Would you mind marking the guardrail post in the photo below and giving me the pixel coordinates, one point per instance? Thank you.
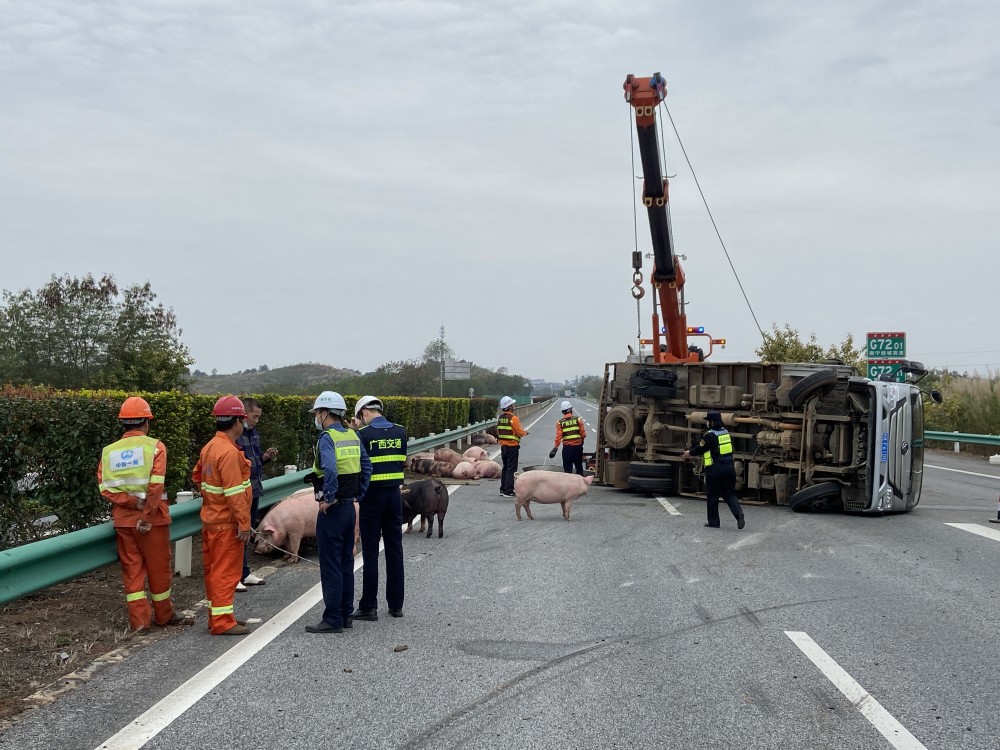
(957, 444)
(291, 468)
(182, 547)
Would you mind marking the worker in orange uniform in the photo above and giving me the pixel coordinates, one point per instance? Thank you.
(130, 476)
(571, 432)
(509, 433)
(223, 474)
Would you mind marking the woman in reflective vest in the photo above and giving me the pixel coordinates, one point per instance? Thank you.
(340, 476)
(716, 448)
(130, 477)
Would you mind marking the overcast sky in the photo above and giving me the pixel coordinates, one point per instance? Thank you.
(333, 181)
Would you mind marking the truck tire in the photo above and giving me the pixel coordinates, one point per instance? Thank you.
(814, 496)
(653, 485)
(619, 426)
(824, 380)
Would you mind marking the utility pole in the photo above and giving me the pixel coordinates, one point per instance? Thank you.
(441, 360)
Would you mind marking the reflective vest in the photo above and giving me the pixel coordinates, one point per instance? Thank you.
(386, 447)
(570, 429)
(725, 449)
(505, 427)
(347, 446)
(127, 466)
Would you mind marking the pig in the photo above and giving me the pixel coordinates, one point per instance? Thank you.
(447, 455)
(425, 498)
(548, 487)
(475, 454)
(465, 470)
(488, 469)
(441, 469)
(287, 524)
(420, 465)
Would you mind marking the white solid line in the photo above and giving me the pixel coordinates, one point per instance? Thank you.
(974, 528)
(667, 506)
(961, 471)
(862, 700)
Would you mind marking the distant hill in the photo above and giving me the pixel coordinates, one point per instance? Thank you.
(301, 378)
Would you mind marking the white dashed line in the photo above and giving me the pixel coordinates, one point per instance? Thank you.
(975, 528)
(862, 700)
(667, 506)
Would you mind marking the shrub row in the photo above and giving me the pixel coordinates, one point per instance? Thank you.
(51, 442)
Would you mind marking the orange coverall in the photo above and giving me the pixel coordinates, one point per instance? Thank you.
(515, 424)
(223, 474)
(575, 441)
(144, 555)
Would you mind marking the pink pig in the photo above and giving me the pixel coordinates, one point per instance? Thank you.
(464, 470)
(488, 469)
(447, 455)
(475, 454)
(288, 523)
(548, 487)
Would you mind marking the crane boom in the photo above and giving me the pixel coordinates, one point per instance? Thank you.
(645, 95)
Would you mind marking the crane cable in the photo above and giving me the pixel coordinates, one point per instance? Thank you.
(712, 219)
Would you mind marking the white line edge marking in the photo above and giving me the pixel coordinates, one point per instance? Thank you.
(157, 718)
(862, 700)
(974, 528)
(961, 471)
(667, 506)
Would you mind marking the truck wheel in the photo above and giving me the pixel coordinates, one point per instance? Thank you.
(814, 496)
(653, 485)
(619, 426)
(823, 380)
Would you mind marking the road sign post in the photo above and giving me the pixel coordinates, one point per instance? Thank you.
(886, 352)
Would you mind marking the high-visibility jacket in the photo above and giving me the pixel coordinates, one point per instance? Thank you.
(570, 431)
(722, 452)
(223, 474)
(385, 444)
(509, 430)
(347, 447)
(132, 468)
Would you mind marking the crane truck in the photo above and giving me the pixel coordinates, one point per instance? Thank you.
(807, 435)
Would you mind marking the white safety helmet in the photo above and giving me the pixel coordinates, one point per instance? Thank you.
(367, 402)
(332, 401)
(565, 406)
(506, 402)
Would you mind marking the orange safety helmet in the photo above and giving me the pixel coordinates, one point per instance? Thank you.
(135, 408)
(229, 406)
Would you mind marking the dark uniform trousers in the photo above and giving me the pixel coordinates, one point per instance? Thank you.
(572, 456)
(335, 544)
(381, 514)
(509, 454)
(720, 482)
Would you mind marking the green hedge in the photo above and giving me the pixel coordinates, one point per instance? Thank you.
(57, 438)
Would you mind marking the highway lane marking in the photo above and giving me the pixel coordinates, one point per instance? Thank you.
(962, 471)
(974, 528)
(667, 506)
(860, 698)
(144, 728)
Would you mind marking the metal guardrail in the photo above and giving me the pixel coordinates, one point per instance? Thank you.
(962, 437)
(36, 566)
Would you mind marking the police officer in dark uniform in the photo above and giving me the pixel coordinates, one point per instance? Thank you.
(381, 511)
(340, 479)
(716, 446)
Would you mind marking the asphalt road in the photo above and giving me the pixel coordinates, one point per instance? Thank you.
(630, 626)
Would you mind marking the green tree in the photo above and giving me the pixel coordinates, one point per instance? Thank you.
(88, 333)
(786, 345)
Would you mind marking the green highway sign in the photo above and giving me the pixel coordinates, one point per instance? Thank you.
(886, 345)
(880, 367)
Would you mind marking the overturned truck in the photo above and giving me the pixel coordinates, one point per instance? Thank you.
(811, 436)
